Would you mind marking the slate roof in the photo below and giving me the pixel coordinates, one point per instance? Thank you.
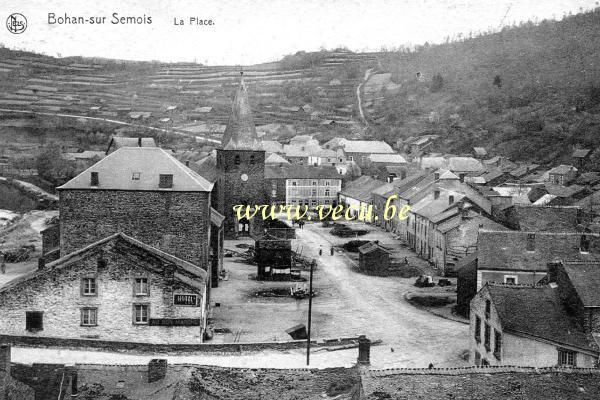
(547, 218)
(371, 247)
(507, 250)
(387, 158)
(564, 191)
(480, 151)
(275, 158)
(183, 271)
(464, 164)
(271, 146)
(118, 142)
(581, 153)
(115, 172)
(562, 169)
(300, 172)
(523, 170)
(366, 146)
(585, 278)
(240, 133)
(362, 188)
(543, 315)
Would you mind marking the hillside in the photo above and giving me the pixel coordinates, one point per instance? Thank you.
(530, 92)
(545, 101)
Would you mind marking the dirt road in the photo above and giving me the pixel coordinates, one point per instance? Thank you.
(377, 308)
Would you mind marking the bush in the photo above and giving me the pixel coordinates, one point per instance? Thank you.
(437, 82)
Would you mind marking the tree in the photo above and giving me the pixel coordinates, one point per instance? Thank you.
(52, 167)
(437, 82)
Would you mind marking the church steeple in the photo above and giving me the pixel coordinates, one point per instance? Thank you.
(240, 133)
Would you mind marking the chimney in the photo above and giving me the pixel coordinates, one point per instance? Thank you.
(139, 142)
(187, 163)
(436, 176)
(41, 262)
(461, 177)
(450, 199)
(436, 194)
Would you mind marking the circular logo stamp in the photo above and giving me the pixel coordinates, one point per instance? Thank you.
(16, 23)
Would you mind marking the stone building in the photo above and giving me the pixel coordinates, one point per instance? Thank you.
(116, 289)
(240, 167)
(528, 326)
(302, 185)
(518, 257)
(562, 174)
(372, 257)
(145, 193)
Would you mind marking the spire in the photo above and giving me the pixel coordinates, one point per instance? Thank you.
(240, 133)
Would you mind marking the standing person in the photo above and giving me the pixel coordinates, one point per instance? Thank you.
(2, 263)
(331, 250)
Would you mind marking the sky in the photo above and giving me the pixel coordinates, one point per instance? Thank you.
(246, 32)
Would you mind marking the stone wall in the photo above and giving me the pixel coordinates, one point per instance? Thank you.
(478, 310)
(57, 293)
(175, 222)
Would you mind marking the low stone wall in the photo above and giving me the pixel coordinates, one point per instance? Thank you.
(133, 347)
(491, 369)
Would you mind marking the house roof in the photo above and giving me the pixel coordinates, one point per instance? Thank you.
(115, 172)
(585, 278)
(507, 250)
(562, 169)
(538, 311)
(119, 142)
(387, 158)
(275, 158)
(271, 146)
(240, 133)
(547, 218)
(464, 164)
(185, 272)
(367, 146)
(300, 172)
(523, 170)
(362, 188)
(371, 247)
(480, 151)
(564, 191)
(581, 153)
(429, 206)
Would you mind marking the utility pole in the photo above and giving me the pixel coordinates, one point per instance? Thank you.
(310, 292)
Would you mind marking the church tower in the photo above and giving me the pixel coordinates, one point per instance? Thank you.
(240, 167)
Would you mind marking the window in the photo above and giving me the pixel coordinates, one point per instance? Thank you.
(511, 279)
(488, 307)
(140, 287)
(135, 176)
(327, 183)
(351, 158)
(88, 287)
(293, 183)
(236, 160)
(313, 203)
(497, 344)
(313, 192)
(34, 321)
(487, 337)
(274, 184)
(89, 316)
(484, 362)
(567, 358)
(165, 181)
(140, 313)
(314, 183)
(327, 193)
(478, 329)
(584, 244)
(530, 242)
(252, 159)
(94, 181)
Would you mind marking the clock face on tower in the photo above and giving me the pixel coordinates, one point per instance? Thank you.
(244, 177)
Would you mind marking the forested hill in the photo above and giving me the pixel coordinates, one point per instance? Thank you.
(527, 92)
